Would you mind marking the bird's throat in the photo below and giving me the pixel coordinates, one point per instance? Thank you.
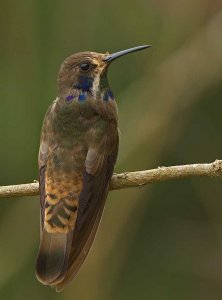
(92, 86)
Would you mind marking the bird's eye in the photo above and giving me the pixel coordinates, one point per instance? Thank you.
(84, 66)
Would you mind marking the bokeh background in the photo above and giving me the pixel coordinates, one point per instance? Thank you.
(160, 242)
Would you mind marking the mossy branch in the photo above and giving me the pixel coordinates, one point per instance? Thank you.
(131, 179)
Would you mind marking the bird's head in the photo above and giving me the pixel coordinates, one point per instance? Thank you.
(85, 73)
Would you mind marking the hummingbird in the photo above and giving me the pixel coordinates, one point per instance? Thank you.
(78, 151)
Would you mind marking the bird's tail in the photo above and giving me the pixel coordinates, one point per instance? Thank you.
(53, 256)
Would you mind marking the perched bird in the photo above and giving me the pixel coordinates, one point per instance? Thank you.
(78, 150)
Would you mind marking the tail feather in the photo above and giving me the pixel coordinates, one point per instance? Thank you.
(53, 256)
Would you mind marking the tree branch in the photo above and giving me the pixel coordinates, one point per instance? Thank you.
(131, 179)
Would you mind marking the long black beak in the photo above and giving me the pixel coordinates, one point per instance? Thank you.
(111, 57)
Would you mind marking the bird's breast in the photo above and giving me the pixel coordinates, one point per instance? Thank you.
(75, 119)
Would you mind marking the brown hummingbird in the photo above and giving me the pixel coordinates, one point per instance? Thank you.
(78, 151)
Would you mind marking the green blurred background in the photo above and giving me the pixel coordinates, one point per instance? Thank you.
(160, 242)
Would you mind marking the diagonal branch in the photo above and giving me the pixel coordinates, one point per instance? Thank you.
(131, 179)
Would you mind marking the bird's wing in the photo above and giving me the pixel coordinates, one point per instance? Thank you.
(96, 178)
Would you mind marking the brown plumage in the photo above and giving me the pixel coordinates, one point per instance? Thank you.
(78, 150)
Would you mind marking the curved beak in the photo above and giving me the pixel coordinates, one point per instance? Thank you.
(113, 56)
